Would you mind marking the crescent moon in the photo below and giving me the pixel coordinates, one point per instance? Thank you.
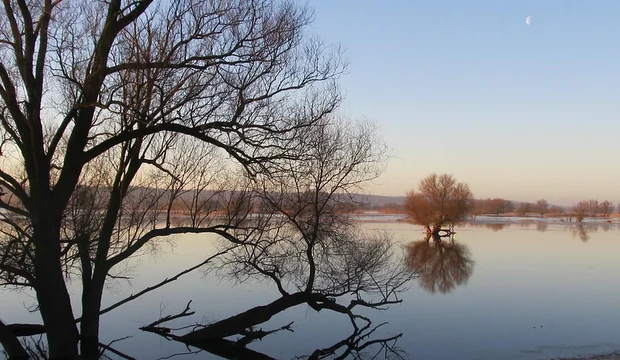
(528, 20)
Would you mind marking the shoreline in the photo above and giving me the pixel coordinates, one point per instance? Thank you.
(610, 356)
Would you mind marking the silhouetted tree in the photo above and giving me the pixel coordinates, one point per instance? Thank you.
(104, 103)
(312, 252)
(440, 201)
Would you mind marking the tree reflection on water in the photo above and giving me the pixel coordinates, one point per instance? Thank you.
(441, 265)
(361, 343)
(579, 230)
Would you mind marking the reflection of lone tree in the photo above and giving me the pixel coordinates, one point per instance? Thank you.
(441, 265)
(440, 201)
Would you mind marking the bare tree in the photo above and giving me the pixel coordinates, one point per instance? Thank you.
(440, 201)
(495, 206)
(524, 208)
(542, 207)
(581, 210)
(100, 103)
(593, 207)
(606, 208)
(556, 210)
(305, 244)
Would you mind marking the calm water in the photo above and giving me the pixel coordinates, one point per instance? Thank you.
(532, 292)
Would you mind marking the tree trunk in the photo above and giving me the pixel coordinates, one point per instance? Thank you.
(52, 295)
(238, 323)
(89, 325)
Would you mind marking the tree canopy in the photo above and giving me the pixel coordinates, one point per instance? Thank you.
(440, 200)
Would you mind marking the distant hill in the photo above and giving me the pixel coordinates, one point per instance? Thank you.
(378, 200)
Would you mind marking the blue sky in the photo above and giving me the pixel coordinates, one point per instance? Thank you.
(466, 87)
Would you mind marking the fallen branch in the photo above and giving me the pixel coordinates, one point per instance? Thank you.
(26, 329)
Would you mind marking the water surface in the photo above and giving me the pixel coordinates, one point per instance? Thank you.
(522, 292)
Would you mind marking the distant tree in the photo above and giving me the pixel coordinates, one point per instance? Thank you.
(523, 208)
(440, 201)
(495, 206)
(478, 207)
(554, 209)
(606, 208)
(581, 210)
(509, 206)
(542, 206)
(593, 207)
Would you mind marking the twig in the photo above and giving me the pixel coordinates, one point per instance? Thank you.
(251, 335)
(112, 350)
(158, 285)
(163, 331)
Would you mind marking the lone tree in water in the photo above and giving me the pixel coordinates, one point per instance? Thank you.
(115, 112)
(440, 201)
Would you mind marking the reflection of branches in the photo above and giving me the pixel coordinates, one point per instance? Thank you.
(361, 345)
(492, 226)
(541, 226)
(582, 231)
(442, 265)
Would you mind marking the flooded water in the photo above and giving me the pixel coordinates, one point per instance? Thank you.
(497, 292)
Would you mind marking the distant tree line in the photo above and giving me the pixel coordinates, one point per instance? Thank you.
(592, 208)
(542, 208)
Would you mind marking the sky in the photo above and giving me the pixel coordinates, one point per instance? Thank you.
(468, 88)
